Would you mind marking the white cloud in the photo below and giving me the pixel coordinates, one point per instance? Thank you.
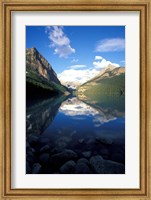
(110, 45)
(59, 41)
(74, 75)
(74, 60)
(100, 62)
(98, 58)
(77, 66)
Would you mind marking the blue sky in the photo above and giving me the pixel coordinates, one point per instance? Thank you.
(78, 49)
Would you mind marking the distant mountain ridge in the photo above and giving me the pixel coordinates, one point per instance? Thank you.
(71, 85)
(40, 76)
(108, 72)
(110, 81)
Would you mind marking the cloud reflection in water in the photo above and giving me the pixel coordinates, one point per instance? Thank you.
(78, 110)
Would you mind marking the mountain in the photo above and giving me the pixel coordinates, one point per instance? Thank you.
(109, 82)
(71, 85)
(41, 79)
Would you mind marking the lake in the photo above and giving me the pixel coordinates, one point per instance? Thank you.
(65, 135)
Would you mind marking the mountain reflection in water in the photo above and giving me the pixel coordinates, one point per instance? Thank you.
(66, 135)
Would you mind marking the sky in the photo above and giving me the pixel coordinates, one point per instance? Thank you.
(77, 53)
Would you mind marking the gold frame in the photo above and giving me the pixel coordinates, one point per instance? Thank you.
(6, 7)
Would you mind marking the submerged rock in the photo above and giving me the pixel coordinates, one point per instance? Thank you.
(32, 139)
(87, 154)
(112, 167)
(45, 148)
(43, 141)
(62, 157)
(36, 168)
(30, 153)
(83, 160)
(118, 157)
(44, 158)
(27, 145)
(105, 153)
(82, 168)
(32, 150)
(102, 166)
(81, 140)
(30, 156)
(104, 140)
(68, 167)
(97, 164)
(28, 168)
(61, 145)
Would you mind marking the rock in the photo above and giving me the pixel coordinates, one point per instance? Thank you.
(97, 164)
(27, 145)
(62, 157)
(112, 167)
(83, 160)
(86, 154)
(28, 168)
(45, 148)
(65, 139)
(90, 141)
(44, 158)
(73, 132)
(61, 145)
(82, 168)
(101, 166)
(43, 141)
(30, 153)
(36, 168)
(104, 140)
(68, 167)
(81, 140)
(104, 152)
(118, 157)
(32, 139)
(31, 158)
(32, 150)
(59, 132)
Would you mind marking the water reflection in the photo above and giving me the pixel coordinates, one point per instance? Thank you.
(75, 136)
(40, 114)
(76, 108)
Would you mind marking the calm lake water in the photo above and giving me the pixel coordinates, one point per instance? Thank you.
(66, 135)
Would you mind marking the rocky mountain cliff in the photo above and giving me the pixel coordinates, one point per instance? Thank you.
(40, 76)
(37, 63)
(110, 81)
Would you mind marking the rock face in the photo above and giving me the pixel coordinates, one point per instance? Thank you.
(37, 63)
(40, 76)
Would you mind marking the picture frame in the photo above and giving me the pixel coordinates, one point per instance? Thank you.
(7, 7)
